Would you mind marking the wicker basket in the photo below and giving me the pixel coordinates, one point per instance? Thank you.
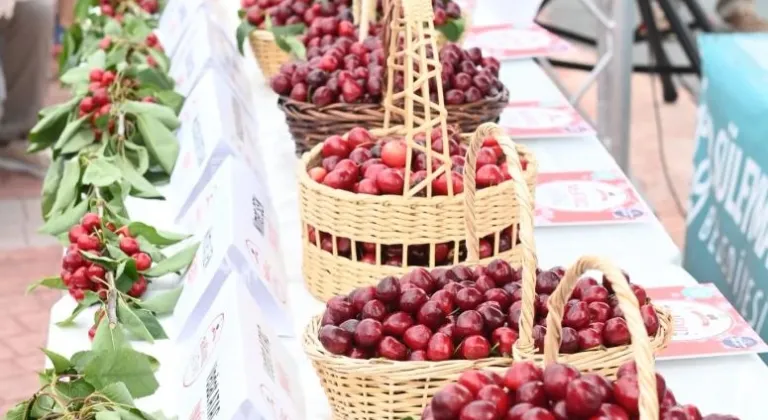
(605, 361)
(380, 389)
(268, 55)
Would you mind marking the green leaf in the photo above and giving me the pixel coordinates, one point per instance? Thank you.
(138, 156)
(296, 47)
(51, 185)
(53, 117)
(162, 144)
(133, 414)
(177, 262)
(112, 27)
(117, 55)
(115, 252)
(123, 365)
(140, 186)
(288, 30)
(452, 29)
(243, 30)
(80, 140)
(161, 59)
(126, 275)
(105, 262)
(151, 324)
(100, 173)
(117, 393)
(155, 236)
(171, 99)
(76, 75)
(107, 415)
(162, 113)
(69, 47)
(61, 223)
(150, 249)
(60, 363)
(162, 303)
(69, 131)
(49, 282)
(90, 299)
(154, 77)
(97, 60)
(132, 322)
(18, 411)
(82, 7)
(68, 187)
(81, 358)
(78, 388)
(108, 338)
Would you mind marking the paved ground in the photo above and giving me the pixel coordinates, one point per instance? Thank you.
(25, 255)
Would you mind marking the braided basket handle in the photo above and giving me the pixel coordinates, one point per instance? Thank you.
(641, 346)
(363, 12)
(522, 194)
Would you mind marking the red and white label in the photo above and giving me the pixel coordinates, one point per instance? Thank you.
(535, 120)
(579, 198)
(705, 323)
(515, 42)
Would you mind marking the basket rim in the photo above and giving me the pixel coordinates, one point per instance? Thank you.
(305, 180)
(315, 351)
(501, 97)
(659, 341)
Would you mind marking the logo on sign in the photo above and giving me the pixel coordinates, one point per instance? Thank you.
(206, 348)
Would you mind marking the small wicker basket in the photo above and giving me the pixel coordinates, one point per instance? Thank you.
(268, 55)
(605, 361)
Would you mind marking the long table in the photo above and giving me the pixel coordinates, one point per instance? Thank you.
(726, 384)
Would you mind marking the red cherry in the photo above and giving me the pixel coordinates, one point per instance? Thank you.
(474, 380)
(469, 323)
(692, 411)
(599, 311)
(358, 136)
(91, 222)
(640, 294)
(88, 243)
(582, 399)
(582, 285)
(417, 337)
(595, 294)
(496, 396)
(392, 349)
(143, 261)
(478, 410)
(368, 332)
(336, 146)
(411, 300)
(439, 347)
(317, 174)
(538, 413)
(533, 393)
(489, 175)
(556, 379)
(351, 92)
(281, 84)
(394, 154)
(468, 298)
(521, 373)
(350, 325)
(374, 309)
(449, 401)
(589, 339)
(129, 245)
(650, 319)
(612, 412)
(577, 316)
(340, 179)
(430, 315)
(616, 332)
(475, 347)
(362, 295)
(390, 181)
(335, 339)
(625, 391)
(518, 410)
(75, 232)
(504, 338)
(397, 324)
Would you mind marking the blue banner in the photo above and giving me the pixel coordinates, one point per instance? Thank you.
(727, 235)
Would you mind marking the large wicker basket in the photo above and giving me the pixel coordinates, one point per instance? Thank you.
(268, 55)
(603, 360)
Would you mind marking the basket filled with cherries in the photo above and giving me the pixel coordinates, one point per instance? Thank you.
(345, 82)
(382, 351)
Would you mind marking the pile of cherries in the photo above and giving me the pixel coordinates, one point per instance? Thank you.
(341, 70)
(292, 12)
(365, 165)
(108, 7)
(79, 274)
(98, 103)
(467, 76)
(558, 392)
(469, 313)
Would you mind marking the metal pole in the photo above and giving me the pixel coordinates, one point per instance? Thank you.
(619, 82)
(604, 37)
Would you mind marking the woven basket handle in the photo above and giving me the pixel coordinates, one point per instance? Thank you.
(641, 346)
(411, 23)
(522, 194)
(363, 12)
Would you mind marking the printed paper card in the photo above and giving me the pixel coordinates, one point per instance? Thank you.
(514, 42)
(214, 125)
(208, 46)
(586, 197)
(234, 367)
(242, 195)
(705, 323)
(523, 120)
